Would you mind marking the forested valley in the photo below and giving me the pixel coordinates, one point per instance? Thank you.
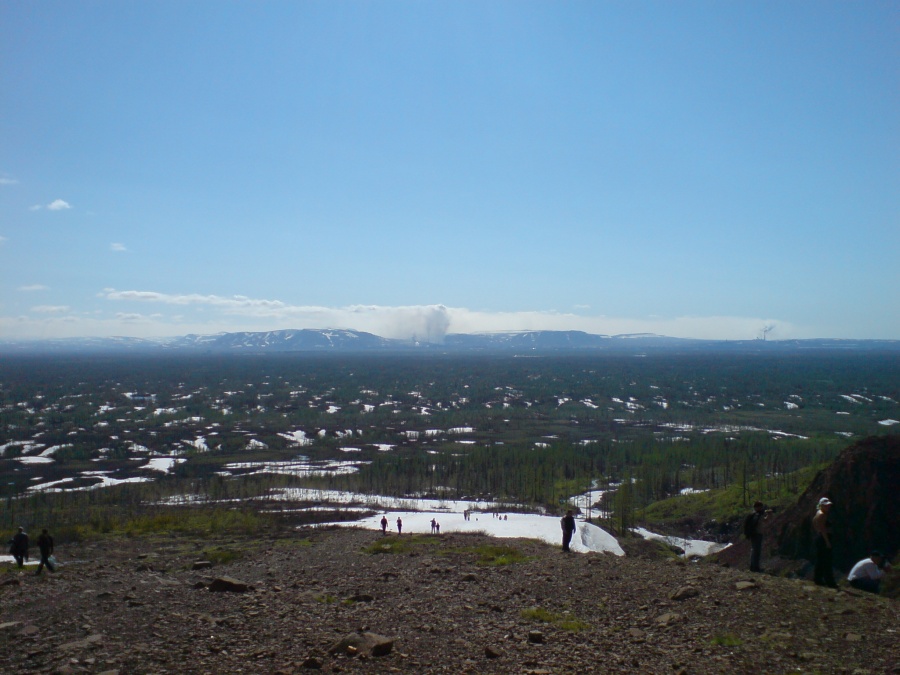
(89, 434)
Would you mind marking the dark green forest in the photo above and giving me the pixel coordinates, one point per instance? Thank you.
(531, 431)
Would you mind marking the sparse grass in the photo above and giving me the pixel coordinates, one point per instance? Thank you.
(490, 555)
(400, 544)
(538, 614)
(573, 625)
(293, 543)
(221, 556)
(326, 599)
(563, 621)
(726, 640)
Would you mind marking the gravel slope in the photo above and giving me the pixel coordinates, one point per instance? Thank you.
(136, 606)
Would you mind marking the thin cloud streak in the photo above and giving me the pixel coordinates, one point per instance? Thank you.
(51, 309)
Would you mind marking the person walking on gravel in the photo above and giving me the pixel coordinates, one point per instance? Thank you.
(18, 547)
(824, 572)
(568, 529)
(45, 544)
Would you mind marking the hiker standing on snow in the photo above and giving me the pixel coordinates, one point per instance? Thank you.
(18, 547)
(824, 574)
(45, 544)
(568, 529)
(753, 532)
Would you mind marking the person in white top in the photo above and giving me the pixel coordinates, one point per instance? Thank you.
(867, 573)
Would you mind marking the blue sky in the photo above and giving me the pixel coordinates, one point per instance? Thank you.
(697, 169)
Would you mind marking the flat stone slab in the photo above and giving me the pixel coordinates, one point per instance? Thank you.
(363, 643)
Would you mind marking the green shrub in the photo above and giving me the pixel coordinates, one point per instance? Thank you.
(491, 555)
(726, 640)
(563, 621)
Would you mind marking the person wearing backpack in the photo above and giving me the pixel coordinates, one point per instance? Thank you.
(753, 532)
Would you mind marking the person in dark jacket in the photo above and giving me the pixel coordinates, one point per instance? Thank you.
(45, 544)
(753, 532)
(568, 529)
(19, 547)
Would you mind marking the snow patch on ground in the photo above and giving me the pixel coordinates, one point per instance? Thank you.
(588, 537)
(692, 547)
(161, 464)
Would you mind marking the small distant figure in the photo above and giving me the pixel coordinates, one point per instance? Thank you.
(399, 526)
(504, 516)
(567, 522)
(18, 547)
(466, 514)
(437, 527)
(45, 544)
(824, 572)
(866, 575)
(384, 525)
(753, 532)
(433, 523)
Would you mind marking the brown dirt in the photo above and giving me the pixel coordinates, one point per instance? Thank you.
(135, 606)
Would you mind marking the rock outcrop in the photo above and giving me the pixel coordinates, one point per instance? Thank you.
(863, 485)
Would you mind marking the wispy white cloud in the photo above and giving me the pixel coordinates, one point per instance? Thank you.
(117, 247)
(55, 205)
(34, 287)
(5, 180)
(2, 239)
(51, 309)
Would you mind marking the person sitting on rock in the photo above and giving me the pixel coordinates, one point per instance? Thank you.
(866, 575)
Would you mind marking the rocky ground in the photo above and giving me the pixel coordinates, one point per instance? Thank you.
(429, 605)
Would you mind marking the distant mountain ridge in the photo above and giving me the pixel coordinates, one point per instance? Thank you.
(514, 342)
